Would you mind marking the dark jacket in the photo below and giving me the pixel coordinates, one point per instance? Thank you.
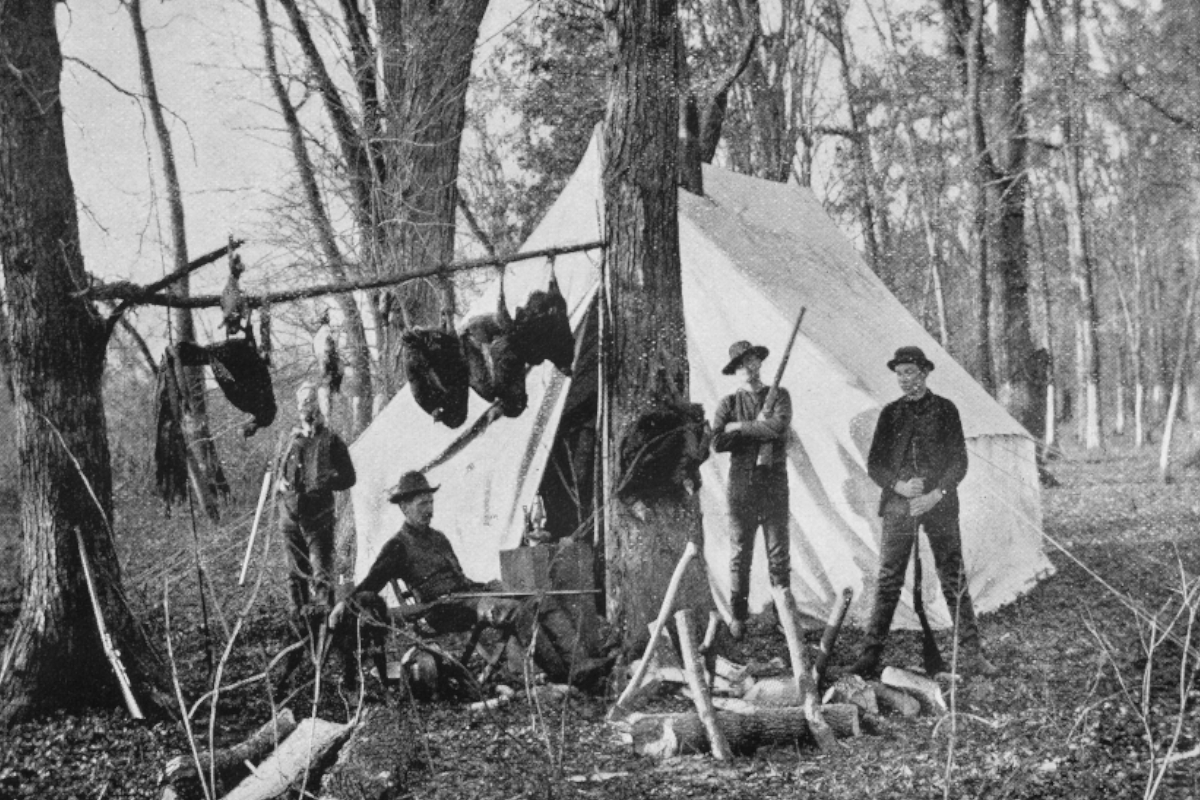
(938, 451)
(743, 445)
(423, 559)
(316, 466)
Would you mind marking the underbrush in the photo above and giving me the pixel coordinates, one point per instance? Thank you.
(1096, 696)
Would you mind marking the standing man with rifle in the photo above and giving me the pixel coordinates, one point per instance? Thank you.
(752, 425)
(918, 457)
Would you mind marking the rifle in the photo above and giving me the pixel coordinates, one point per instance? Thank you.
(110, 650)
(766, 450)
(931, 657)
(418, 610)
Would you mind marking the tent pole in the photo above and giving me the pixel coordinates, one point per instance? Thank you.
(603, 539)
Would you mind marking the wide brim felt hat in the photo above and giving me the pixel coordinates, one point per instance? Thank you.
(410, 485)
(739, 350)
(910, 355)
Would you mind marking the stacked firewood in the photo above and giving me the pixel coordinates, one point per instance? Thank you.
(737, 712)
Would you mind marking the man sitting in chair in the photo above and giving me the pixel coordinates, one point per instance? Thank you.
(422, 557)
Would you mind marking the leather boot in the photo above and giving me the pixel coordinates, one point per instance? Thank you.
(867, 665)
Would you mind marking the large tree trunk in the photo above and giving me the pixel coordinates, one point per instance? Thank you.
(426, 54)
(54, 657)
(211, 480)
(1078, 250)
(647, 350)
(1018, 391)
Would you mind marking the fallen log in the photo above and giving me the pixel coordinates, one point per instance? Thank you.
(747, 729)
(694, 673)
(806, 686)
(926, 690)
(299, 760)
(378, 758)
(227, 765)
(895, 701)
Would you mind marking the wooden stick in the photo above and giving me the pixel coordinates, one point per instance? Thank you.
(890, 699)
(137, 295)
(806, 687)
(262, 501)
(832, 628)
(696, 682)
(689, 552)
(110, 650)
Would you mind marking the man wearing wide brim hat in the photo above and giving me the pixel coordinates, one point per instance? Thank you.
(918, 457)
(757, 490)
(421, 556)
(423, 559)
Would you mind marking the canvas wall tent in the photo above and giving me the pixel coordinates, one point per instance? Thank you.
(753, 253)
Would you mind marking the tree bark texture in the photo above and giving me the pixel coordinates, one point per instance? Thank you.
(426, 55)
(1019, 391)
(53, 657)
(647, 355)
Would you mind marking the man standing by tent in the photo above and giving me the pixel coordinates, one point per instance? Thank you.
(918, 457)
(315, 463)
(758, 489)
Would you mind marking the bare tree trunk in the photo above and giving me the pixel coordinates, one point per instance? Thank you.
(360, 393)
(1050, 438)
(54, 657)
(648, 346)
(860, 140)
(363, 170)
(211, 480)
(1019, 391)
(426, 53)
(1164, 461)
(984, 174)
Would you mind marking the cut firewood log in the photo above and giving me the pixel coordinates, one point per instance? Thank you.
(694, 672)
(844, 719)
(669, 735)
(228, 764)
(806, 686)
(924, 689)
(298, 760)
(895, 701)
(853, 689)
(773, 693)
(832, 628)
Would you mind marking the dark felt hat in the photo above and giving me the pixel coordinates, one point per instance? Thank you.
(910, 355)
(409, 486)
(739, 350)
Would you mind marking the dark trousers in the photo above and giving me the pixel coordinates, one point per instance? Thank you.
(308, 534)
(945, 540)
(765, 505)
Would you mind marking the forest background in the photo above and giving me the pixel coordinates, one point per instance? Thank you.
(928, 129)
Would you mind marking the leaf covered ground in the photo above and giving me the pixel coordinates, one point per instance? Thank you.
(1092, 694)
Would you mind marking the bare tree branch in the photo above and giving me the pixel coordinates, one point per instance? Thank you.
(137, 296)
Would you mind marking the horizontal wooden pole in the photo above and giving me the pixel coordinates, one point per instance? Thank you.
(137, 295)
